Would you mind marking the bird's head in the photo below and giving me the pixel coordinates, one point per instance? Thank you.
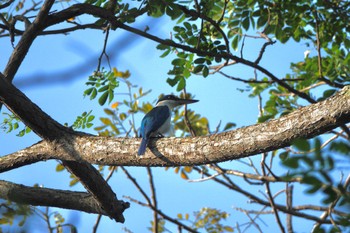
(173, 101)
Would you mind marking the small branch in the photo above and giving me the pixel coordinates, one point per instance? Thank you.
(104, 53)
(6, 4)
(270, 197)
(254, 199)
(254, 80)
(26, 41)
(330, 208)
(166, 217)
(242, 47)
(223, 12)
(289, 205)
(134, 181)
(60, 138)
(262, 51)
(82, 8)
(99, 216)
(154, 199)
(252, 221)
(305, 122)
(36, 196)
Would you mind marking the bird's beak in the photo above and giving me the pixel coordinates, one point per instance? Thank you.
(186, 101)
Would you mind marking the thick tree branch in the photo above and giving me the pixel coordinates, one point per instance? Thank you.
(26, 41)
(60, 138)
(305, 122)
(37, 196)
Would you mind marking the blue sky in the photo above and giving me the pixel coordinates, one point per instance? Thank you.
(219, 98)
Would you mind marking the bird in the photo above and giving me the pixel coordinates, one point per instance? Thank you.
(156, 122)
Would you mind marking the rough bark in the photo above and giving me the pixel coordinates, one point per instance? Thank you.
(60, 138)
(82, 201)
(305, 122)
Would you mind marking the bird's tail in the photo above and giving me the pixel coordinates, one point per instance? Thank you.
(143, 146)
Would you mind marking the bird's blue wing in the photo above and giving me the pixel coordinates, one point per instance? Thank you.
(153, 120)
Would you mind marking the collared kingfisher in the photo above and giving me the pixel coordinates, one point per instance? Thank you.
(156, 122)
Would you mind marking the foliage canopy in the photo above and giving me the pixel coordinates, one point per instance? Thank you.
(207, 39)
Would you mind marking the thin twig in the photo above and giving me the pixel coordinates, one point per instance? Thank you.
(289, 205)
(166, 217)
(104, 53)
(331, 207)
(271, 199)
(154, 199)
(99, 216)
(252, 221)
(257, 81)
(2, 6)
(255, 199)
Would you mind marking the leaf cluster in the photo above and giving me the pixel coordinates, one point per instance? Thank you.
(13, 123)
(102, 83)
(14, 213)
(208, 219)
(316, 167)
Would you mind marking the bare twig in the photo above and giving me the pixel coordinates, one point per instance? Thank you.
(289, 205)
(154, 199)
(257, 81)
(104, 53)
(268, 191)
(166, 217)
(252, 221)
(99, 216)
(262, 50)
(26, 41)
(330, 208)
(6, 4)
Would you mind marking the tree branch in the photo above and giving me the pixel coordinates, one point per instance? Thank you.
(26, 41)
(60, 138)
(79, 9)
(36, 196)
(305, 122)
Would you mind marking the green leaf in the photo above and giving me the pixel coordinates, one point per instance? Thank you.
(59, 167)
(93, 94)
(166, 53)
(234, 42)
(205, 71)
(228, 229)
(229, 125)
(181, 84)
(102, 100)
(245, 23)
(91, 118)
(198, 69)
(291, 162)
(108, 112)
(301, 144)
(284, 155)
(103, 89)
(199, 60)
(264, 118)
(105, 120)
(262, 20)
(172, 81)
